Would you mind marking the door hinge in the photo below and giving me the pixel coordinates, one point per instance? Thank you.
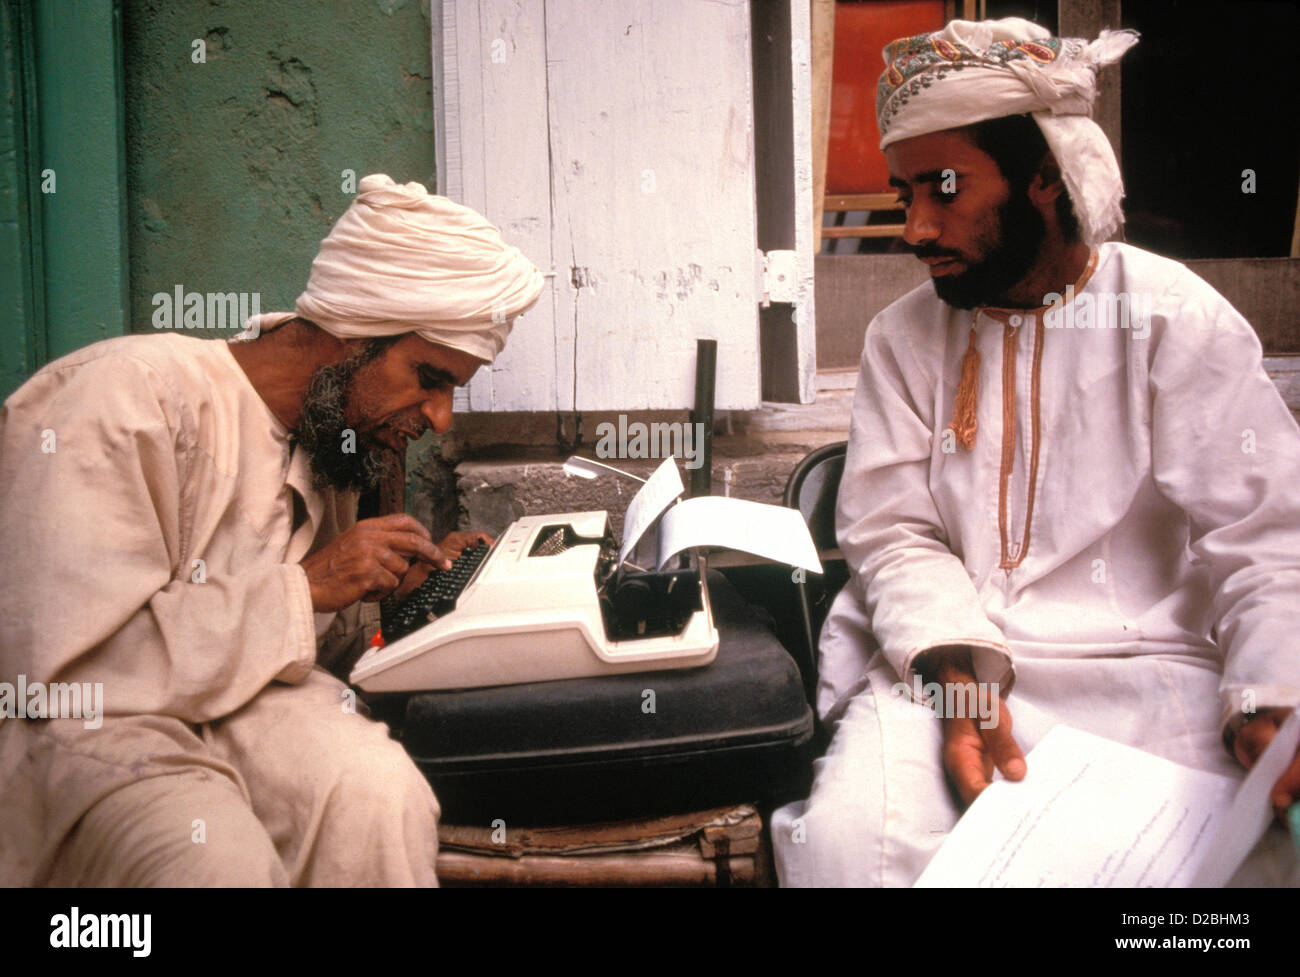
(777, 276)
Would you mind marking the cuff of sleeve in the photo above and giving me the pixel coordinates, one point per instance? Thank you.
(300, 626)
(991, 660)
(1241, 705)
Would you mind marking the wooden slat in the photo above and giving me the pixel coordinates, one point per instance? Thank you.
(822, 44)
(869, 230)
(862, 201)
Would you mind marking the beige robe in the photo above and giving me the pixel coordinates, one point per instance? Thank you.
(154, 518)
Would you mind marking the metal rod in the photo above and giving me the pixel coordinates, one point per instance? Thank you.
(706, 368)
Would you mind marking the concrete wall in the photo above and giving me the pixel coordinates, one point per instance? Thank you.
(235, 165)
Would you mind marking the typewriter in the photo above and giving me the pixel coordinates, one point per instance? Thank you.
(550, 599)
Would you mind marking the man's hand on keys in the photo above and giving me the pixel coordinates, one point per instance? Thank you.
(453, 544)
(369, 561)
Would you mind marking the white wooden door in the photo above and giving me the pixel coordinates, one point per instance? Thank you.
(613, 142)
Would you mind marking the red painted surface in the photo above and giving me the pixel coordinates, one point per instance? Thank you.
(854, 162)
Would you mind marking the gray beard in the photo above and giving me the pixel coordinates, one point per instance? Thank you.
(322, 428)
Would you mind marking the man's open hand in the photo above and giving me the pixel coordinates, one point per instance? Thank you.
(368, 561)
(1251, 742)
(971, 752)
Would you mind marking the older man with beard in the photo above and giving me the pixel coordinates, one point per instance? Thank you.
(1068, 479)
(180, 526)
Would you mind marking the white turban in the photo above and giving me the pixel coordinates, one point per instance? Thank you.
(969, 72)
(401, 260)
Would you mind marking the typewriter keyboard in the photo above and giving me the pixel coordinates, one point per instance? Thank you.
(433, 598)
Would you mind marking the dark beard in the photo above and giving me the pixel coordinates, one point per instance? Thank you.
(323, 426)
(1021, 231)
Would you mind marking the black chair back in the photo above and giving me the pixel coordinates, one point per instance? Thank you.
(812, 488)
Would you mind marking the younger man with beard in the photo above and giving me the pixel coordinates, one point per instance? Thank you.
(1099, 506)
(188, 534)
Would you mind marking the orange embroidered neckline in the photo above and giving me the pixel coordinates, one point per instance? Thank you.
(964, 423)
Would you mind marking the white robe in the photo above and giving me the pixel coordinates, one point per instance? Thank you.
(155, 513)
(1121, 547)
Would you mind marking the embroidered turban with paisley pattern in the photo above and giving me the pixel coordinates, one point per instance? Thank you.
(969, 72)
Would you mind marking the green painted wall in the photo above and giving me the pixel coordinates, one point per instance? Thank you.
(62, 178)
(235, 166)
(83, 242)
(14, 284)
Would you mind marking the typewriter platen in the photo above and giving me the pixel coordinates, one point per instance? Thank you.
(544, 603)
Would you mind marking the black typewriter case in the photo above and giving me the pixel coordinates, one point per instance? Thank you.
(738, 730)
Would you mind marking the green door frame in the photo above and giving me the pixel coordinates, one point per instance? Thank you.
(63, 244)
